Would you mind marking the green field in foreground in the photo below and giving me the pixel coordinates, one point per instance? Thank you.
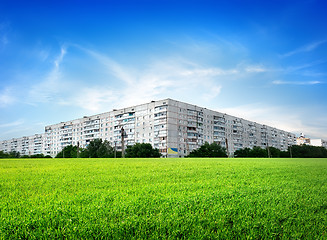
(163, 198)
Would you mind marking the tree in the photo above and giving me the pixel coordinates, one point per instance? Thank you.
(41, 155)
(4, 155)
(298, 151)
(274, 152)
(68, 152)
(244, 152)
(255, 152)
(258, 152)
(142, 150)
(307, 151)
(98, 149)
(14, 154)
(105, 150)
(209, 150)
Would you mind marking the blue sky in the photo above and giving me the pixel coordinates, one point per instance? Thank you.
(260, 60)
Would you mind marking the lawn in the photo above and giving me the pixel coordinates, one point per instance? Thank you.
(163, 198)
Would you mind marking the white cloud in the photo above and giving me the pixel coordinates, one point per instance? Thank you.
(280, 82)
(113, 67)
(255, 69)
(12, 124)
(91, 99)
(60, 57)
(49, 89)
(174, 77)
(306, 48)
(7, 97)
(295, 121)
(208, 72)
(159, 79)
(212, 93)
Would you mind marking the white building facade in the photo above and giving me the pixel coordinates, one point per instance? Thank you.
(30, 145)
(318, 143)
(175, 128)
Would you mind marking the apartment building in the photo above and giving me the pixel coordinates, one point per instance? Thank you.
(30, 145)
(175, 128)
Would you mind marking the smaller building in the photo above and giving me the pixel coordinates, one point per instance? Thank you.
(303, 140)
(312, 142)
(319, 143)
(30, 145)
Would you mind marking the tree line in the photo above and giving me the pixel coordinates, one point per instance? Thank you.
(102, 149)
(295, 151)
(98, 148)
(15, 154)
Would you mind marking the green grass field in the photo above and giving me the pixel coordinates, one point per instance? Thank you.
(163, 198)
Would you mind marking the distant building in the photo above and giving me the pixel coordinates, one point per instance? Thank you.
(30, 145)
(175, 128)
(303, 140)
(319, 143)
(313, 142)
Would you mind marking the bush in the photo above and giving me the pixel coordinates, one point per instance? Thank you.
(98, 149)
(209, 150)
(68, 152)
(142, 150)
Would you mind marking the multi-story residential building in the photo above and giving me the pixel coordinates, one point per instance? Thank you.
(175, 128)
(30, 145)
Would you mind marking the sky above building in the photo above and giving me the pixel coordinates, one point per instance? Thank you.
(264, 61)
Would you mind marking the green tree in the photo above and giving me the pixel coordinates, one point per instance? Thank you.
(14, 154)
(68, 152)
(244, 152)
(209, 150)
(258, 152)
(4, 155)
(41, 155)
(307, 151)
(142, 150)
(98, 149)
(274, 152)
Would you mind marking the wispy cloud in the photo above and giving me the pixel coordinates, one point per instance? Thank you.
(7, 97)
(12, 124)
(4, 31)
(165, 76)
(92, 99)
(59, 59)
(48, 89)
(112, 66)
(212, 93)
(306, 48)
(255, 69)
(281, 118)
(160, 78)
(208, 72)
(280, 82)
(303, 66)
